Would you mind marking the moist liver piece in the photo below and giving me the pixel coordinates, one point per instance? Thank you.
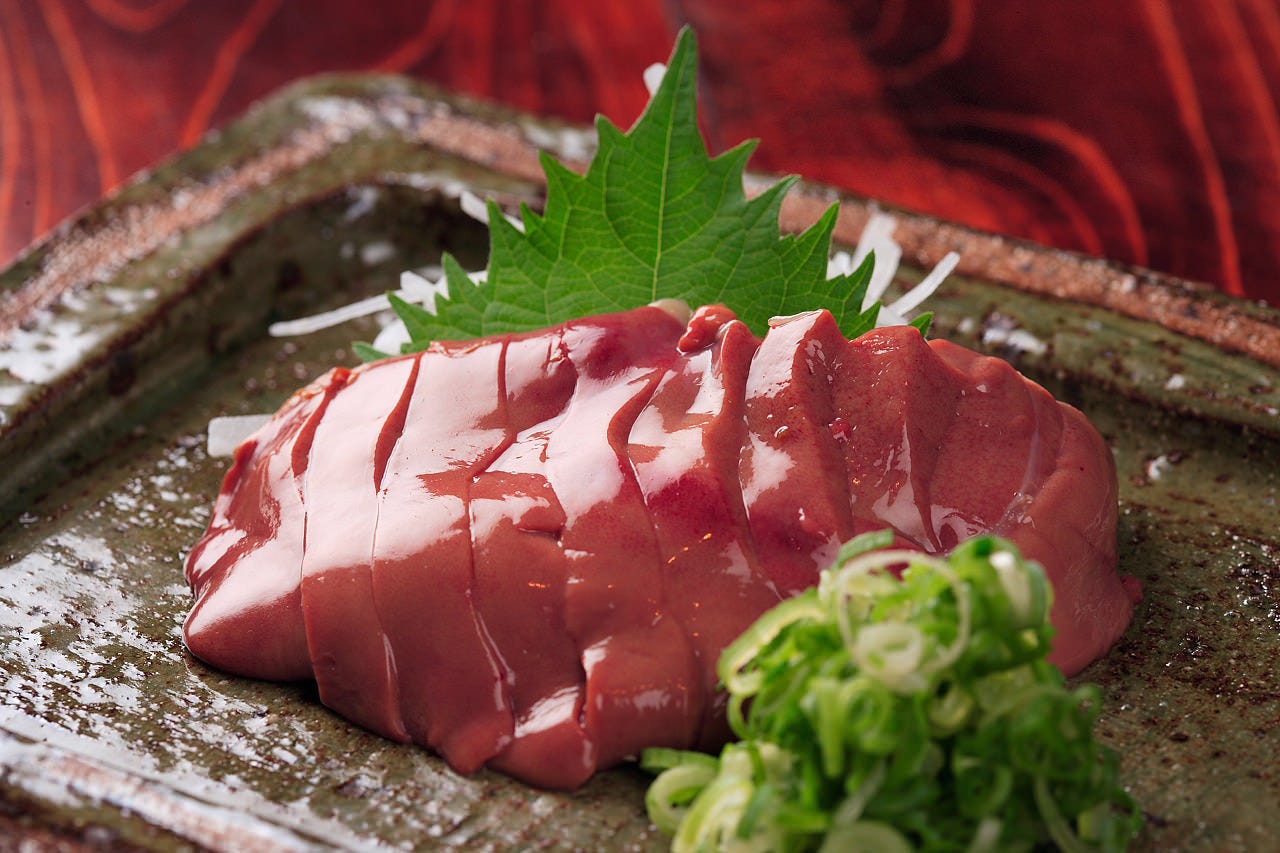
(528, 551)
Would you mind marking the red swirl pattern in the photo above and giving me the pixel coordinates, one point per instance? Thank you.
(1147, 132)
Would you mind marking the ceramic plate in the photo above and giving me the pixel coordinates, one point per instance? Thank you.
(126, 330)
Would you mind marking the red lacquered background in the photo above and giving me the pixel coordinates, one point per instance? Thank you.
(1146, 131)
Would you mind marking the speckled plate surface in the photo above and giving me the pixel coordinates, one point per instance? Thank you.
(124, 332)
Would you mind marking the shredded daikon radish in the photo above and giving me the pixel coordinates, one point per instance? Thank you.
(478, 209)
(316, 322)
(877, 236)
(922, 291)
(653, 77)
(419, 287)
(414, 287)
(228, 433)
(391, 337)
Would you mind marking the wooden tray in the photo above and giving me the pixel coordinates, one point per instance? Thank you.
(144, 316)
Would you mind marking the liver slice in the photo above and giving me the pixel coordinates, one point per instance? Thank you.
(528, 551)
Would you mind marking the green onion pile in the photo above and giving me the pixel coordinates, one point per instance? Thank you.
(893, 715)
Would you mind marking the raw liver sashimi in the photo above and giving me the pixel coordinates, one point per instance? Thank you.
(528, 551)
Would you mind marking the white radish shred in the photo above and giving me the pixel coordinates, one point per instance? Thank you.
(677, 308)
(922, 291)
(653, 77)
(316, 322)
(391, 337)
(414, 287)
(474, 206)
(840, 263)
(877, 236)
(228, 433)
(478, 209)
(420, 287)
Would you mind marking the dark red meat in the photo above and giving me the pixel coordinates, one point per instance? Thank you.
(528, 551)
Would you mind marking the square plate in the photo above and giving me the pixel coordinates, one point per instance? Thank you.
(125, 331)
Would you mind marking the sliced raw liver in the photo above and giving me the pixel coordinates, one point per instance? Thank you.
(453, 691)
(529, 550)
(685, 447)
(247, 569)
(638, 672)
(353, 665)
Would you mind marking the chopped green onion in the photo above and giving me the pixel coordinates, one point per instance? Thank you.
(898, 713)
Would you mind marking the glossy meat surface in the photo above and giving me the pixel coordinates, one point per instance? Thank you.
(528, 551)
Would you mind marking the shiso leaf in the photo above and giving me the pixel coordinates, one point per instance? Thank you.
(655, 216)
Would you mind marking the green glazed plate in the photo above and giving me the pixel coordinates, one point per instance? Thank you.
(125, 331)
